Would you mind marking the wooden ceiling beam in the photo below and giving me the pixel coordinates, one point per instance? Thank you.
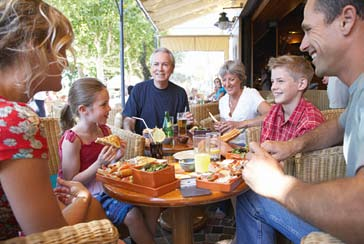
(164, 25)
(168, 13)
(195, 6)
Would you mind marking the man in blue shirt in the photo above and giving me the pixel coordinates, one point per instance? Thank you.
(150, 99)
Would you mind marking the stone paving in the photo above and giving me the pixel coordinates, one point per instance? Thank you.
(219, 228)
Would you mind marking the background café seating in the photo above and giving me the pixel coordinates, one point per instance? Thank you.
(318, 98)
(201, 111)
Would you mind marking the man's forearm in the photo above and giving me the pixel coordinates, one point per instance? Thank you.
(335, 207)
(327, 134)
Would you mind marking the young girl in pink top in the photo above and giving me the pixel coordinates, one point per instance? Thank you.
(88, 101)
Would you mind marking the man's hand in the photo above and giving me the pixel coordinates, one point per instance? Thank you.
(68, 191)
(190, 118)
(225, 148)
(279, 150)
(263, 173)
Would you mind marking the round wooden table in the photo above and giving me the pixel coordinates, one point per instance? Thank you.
(169, 149)
(182, 231)
(177, 147)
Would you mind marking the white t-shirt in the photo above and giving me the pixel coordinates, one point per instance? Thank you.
(338, 93)
(40, 95)
(247, 108)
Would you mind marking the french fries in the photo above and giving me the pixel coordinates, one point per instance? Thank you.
(213, 117)
(230, 135)
(117, 170)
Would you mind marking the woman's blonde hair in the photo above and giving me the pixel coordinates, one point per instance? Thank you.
(33, 34)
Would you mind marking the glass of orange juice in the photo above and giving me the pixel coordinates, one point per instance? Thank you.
(215, 145)
(201, 153)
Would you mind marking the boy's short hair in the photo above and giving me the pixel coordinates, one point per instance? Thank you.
(297, 66)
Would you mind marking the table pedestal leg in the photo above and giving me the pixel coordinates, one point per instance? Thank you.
(182, 225)
(198, 216)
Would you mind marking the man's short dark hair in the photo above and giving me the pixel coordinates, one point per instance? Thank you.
(333, 8)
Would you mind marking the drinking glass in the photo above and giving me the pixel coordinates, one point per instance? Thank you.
(201, 153)
(215, 145)
(156, 150)
(182, 124)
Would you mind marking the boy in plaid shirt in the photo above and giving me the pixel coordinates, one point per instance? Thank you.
(292, 115)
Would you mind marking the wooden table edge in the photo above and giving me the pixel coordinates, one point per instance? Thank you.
(171, 199)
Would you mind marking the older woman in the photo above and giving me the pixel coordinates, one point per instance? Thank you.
(242, 106)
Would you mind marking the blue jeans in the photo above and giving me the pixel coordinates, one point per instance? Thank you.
(258, 217)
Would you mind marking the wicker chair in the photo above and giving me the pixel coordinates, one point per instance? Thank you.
(253, 134)
(97, 231)
(318, 98)
(208, 122)
(332, 113)
(135, 143)
(316, 166)
(320, 237)
(201, 111)
(115, 117)
(320, 165)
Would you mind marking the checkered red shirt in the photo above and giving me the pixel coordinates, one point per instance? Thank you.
(304, 118)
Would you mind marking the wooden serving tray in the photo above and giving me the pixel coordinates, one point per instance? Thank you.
(153, 179)
(223, 187)
(154, 192)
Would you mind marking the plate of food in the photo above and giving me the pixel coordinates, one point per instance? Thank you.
(183, 155)
(117, 170)
(221, 180)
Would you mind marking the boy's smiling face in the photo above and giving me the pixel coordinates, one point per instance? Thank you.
(285, 88)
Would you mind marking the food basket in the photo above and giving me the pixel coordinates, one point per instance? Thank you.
(215, 186)
(153, 179)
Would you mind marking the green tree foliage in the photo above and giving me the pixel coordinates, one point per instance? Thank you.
(96, 25)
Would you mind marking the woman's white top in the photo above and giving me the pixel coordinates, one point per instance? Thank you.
(246, 108)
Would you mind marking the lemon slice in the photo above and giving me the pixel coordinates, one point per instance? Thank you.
(158, 135)
(214, 150)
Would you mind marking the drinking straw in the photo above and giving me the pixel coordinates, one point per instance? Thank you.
(146, 126)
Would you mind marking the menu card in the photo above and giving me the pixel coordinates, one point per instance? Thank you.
(189, 189)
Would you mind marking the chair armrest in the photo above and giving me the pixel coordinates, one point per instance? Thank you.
(135, 142)
(320, 165)
(97, 231)
(253, 134)
(320, 237)
(208, 122)
(201, 111)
